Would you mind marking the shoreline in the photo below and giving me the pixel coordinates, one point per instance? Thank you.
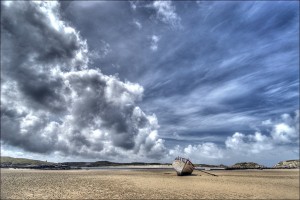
(150, 167)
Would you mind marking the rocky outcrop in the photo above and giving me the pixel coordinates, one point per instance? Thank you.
(288, 164)
(246, 165)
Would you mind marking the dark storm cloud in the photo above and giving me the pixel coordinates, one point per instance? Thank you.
(43, 34)
(36, 44)
(96, 101)
(51, 103)
(230, 66)
(30, 135)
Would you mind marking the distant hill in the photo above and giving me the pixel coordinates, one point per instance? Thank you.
(5, 160)
(246, 165)
(107, 163)
(210, 166)
(21, 162)
(15, 162)
(288, 164)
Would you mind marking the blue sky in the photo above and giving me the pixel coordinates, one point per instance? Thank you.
(217, 82)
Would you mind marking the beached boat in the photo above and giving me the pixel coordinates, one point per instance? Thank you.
(183, 166)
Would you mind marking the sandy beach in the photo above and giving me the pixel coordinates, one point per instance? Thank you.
(149, 184)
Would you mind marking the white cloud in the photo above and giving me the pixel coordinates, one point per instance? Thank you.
(166, 13)
(266, 122)
(137, 24)
(206, 152)
(154, 42)
(133, 5)
(52, 103)
(102, 51)
(248, 144)
(286, 131)
(283, 131)
(281, 143)
(236, 141)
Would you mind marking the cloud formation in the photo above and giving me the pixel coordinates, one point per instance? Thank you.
(253, 143)
(138, 24)
(210, 71)
(51, 102)
(257, 147)
(154, 42)
(286, 131)
(166, 13)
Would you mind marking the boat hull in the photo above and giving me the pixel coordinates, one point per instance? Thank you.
(183, 167)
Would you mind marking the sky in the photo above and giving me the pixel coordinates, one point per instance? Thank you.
(126, 81)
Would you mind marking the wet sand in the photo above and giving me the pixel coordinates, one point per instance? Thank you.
(149, 184)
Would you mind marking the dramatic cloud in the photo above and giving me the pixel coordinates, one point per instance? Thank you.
(92, 80)
(51, 101)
